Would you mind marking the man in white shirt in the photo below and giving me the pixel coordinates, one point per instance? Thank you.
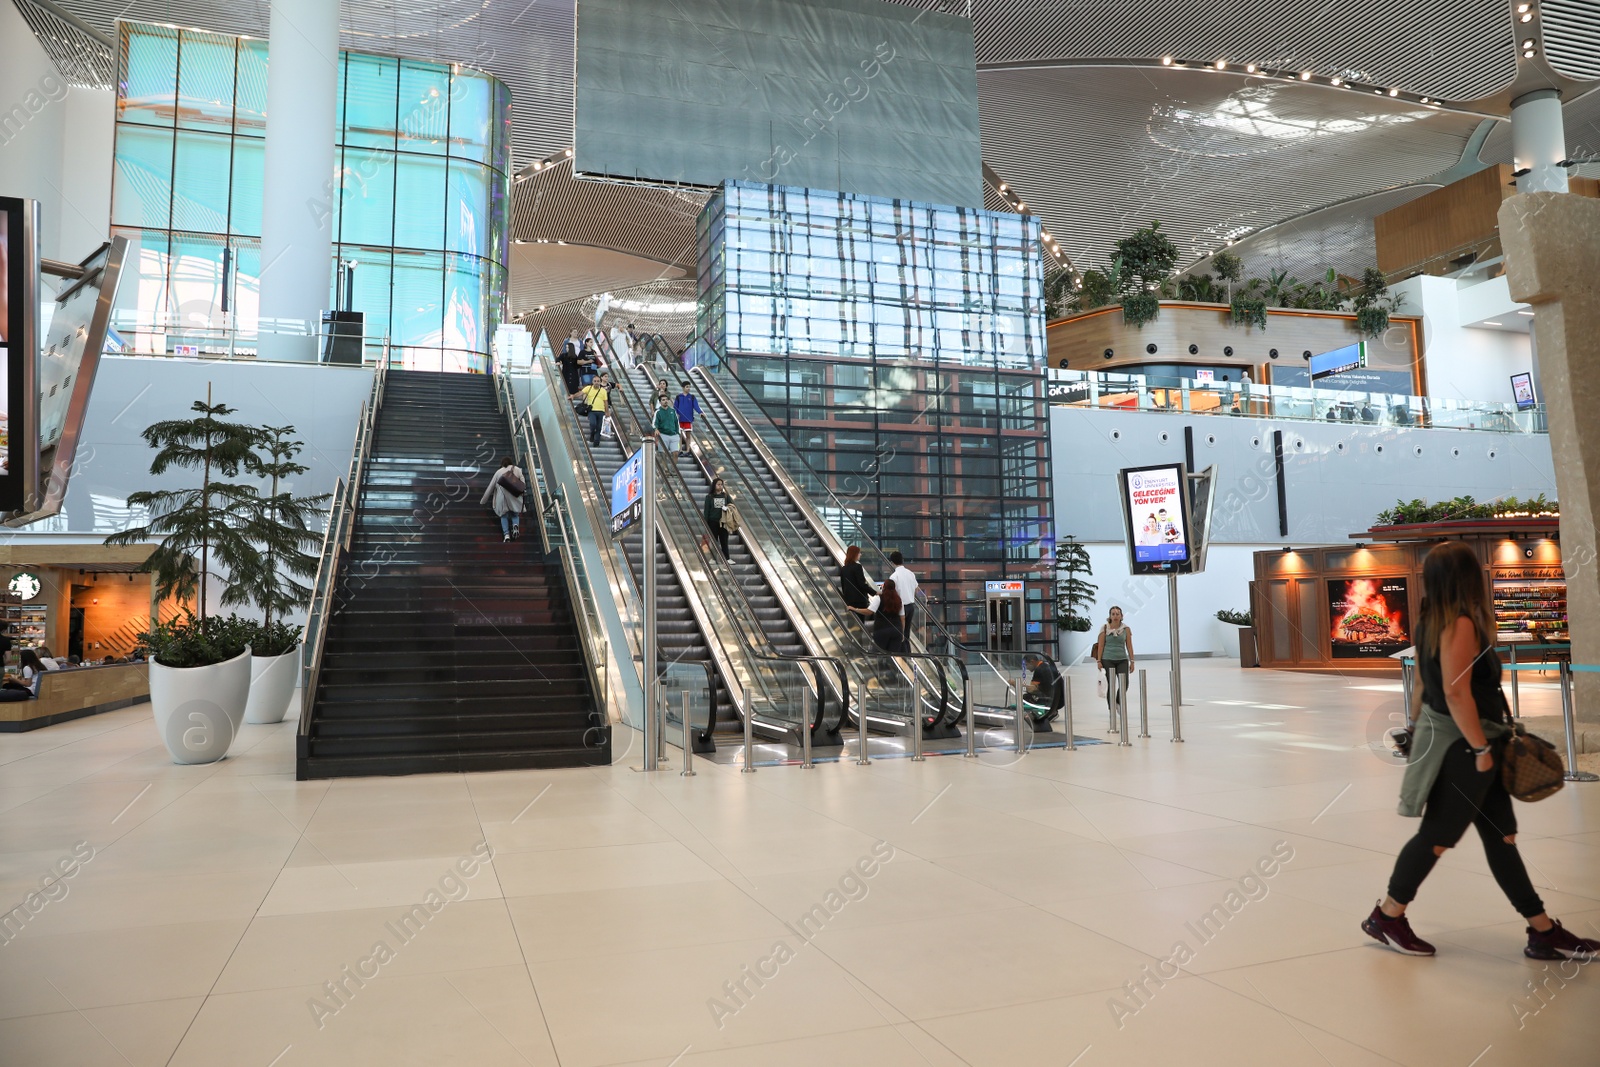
(905, 583)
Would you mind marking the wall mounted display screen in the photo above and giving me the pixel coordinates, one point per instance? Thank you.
(1348, 358)
(1522, 390)
(627, 495)
(19, 304)
(1155, 505)
(1368, 617)
(853, 95)
(1359, 380)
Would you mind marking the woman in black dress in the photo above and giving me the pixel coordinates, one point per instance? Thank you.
(854, 585)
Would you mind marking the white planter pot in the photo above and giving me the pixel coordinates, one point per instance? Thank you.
(1230, 639)
(1075, 646)
(198, 710)
(272, 682)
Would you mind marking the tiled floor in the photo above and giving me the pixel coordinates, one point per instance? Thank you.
(945, 912)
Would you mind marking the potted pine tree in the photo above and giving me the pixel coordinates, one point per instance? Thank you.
(1074, 596)
(279, 527)
(200, 664)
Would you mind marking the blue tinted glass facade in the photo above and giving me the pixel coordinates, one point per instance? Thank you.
(420, 200)
(900, 345)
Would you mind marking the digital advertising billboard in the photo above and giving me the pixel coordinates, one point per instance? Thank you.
(1368, 617)
(1522, 390)
(1155, 508)
(627, 495)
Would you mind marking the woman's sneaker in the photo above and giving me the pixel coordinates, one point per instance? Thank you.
(1559, 943)
(1396, 933)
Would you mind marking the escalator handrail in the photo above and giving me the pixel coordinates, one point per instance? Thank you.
(819, 689)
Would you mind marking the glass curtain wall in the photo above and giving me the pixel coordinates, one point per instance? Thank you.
(901, 346)
(419, 203)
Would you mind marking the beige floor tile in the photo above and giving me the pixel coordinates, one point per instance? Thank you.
(671, 996)
(58, 972)
(144, 1035)
(608, 867)
(881, 1046)
(292, 950)
(1231, 851)
(547, 832)
(627, 920)
(351, 886)
(904, 889)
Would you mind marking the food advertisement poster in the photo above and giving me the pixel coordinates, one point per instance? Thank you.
(1368, 617)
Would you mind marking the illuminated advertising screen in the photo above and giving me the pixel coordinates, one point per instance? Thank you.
(627, 495)
(1368, 617)
(1522, 390)
(1155, 504)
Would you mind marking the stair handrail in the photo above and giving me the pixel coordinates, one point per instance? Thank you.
(335, 547)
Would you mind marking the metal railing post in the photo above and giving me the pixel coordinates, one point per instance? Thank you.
(972, 735)
(1022, 681)
(1177, 726)
(1144, 705)
(1573, 774)
(1122, 717)
(749, 745)
(916, 716)
(805, 723)
(862, 759)
(1066, 710)
(688, 741)
(1516, 697)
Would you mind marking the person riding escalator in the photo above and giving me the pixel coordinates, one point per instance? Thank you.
(884, 611)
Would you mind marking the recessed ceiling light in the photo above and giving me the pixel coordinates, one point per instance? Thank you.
(1022, 207)
(1528, 43)
(1222, 64)
(1003, 187)
(1394, 92)
(1336, 81)
(1251, 67)
(1305, 75)
(1488, 323)
(1166, 61)
(1527, 313)
(1527, 18)
(1523, 7)
(569, 152)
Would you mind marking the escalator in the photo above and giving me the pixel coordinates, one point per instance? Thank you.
(790, 490)
(707, 620)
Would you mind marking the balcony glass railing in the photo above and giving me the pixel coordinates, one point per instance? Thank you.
(1143, 392)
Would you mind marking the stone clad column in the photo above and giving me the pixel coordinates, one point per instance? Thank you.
(296, 206)
(1552, 245)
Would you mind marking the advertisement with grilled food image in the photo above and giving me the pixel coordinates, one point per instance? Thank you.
(1367, 616)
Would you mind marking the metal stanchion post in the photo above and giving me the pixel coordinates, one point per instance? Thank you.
(805, 726)
(1516, 698)
(972, 734)
(1066, 709)
(1573, 774)
(1177, 726)
(862, 759)
(749, 745)
(1111, 700)
(1022, 681)
(1144, 704)
(688, 741)
(916, 715)
(1122, 701)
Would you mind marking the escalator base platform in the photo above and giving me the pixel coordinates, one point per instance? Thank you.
(994, 742)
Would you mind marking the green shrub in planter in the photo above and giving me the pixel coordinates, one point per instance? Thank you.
(276, 638)
(191, 642)
(1235, 618)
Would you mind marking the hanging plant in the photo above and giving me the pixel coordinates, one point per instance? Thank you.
(1248, 310)
(1372, 321)
(1140, 308)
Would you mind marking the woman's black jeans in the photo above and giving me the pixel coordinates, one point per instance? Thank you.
(1463, 796)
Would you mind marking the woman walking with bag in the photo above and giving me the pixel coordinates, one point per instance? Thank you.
(506, 490)
(1453, 778)
(1113, 651)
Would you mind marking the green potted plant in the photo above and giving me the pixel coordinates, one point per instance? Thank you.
(1235, 625)
(199, 664)
(280, 527)
(1073, 598)
(1149, 256)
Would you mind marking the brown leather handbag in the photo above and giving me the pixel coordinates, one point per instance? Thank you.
(1530, 767)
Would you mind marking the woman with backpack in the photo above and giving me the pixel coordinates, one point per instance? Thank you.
(1453, 777)
(504, 495)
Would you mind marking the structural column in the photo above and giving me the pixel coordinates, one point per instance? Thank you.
(298, 191)
(1538, 142)
(1552, 245)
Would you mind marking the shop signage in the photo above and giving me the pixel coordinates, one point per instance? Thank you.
(1002, 587)
(24, 585)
